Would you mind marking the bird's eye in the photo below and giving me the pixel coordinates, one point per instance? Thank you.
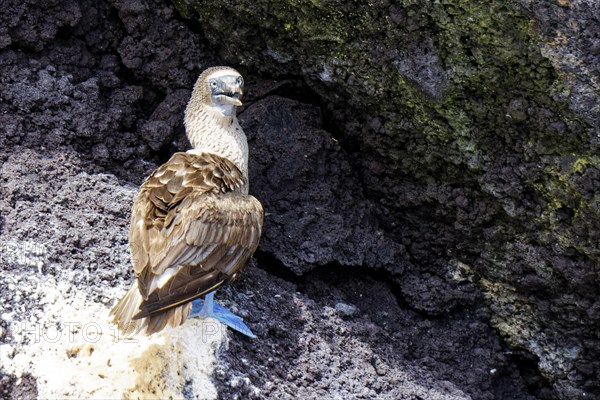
(240, 81)
(213, 84)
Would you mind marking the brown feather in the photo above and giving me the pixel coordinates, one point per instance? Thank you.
(191, 231)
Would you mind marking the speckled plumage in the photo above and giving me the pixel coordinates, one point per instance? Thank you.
(193, 225)
(225, 137)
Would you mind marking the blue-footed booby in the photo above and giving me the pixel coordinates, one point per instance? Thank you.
(193, 225)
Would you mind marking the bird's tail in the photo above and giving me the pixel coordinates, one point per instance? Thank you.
(123, 315)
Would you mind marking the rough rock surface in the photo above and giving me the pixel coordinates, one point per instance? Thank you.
(312, 197)
(427, 185)
(474, 127)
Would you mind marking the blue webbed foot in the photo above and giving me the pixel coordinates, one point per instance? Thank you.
(208, 308)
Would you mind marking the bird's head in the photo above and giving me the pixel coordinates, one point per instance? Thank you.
(221, 88)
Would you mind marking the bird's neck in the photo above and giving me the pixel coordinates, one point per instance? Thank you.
(208, 130)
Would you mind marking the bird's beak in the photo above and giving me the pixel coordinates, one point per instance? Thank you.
(232, 99)
(230, 93)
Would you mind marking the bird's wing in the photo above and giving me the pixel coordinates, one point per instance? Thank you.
(191, 231)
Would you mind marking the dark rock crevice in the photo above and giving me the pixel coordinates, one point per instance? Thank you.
(536, 383)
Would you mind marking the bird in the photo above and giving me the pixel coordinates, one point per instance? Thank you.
(193, 225)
